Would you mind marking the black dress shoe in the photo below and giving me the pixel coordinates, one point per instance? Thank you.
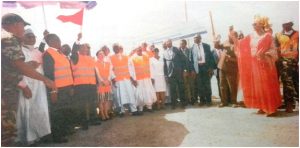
(60, 140)
(150, 110)
(201, 104)
(137, 113)
(208, 104)
(95, 122)
(85, 127)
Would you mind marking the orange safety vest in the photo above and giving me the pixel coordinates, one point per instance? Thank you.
(288, 45)
(150, 53)
(62, 69)
(120, 67)
(84, 70)
(141, 67)
(103, 68)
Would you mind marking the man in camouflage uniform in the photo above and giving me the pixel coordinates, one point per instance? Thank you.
(287, 45)
(12, 68)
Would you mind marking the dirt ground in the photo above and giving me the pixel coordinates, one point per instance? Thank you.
(193, 126)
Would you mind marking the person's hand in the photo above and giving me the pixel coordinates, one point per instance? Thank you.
(185, 74)
(45, 33)
(153, 81)
(167, 79)
(50, 84)
(53, 96)
(27, 92)
(33, 64)
(79, 36)
(227, 58)
(106, 82)
(134, 83)
(114, 82)
(193, 74)
(210, 72)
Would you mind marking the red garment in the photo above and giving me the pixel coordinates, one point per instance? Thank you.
(258, 76)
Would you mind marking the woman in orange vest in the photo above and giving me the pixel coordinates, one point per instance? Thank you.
(104, 87)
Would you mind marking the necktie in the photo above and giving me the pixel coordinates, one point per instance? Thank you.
(200, 54)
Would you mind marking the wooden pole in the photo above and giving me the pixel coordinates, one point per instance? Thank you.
(212, 25)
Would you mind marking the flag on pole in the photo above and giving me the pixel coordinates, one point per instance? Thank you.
(75, 18)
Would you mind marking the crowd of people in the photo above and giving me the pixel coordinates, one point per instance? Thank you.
(47, 92)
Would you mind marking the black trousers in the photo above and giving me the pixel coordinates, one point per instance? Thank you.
(61, 113)
(204, 85)
(85, 102)
(177, 88)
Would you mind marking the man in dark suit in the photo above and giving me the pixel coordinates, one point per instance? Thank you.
(204, 64)
(188, 77)
(174, 69)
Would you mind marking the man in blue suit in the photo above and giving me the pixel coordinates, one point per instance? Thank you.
(204, 64)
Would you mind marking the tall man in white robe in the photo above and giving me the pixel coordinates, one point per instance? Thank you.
(122, 79)
(145, 93)
(32, 116)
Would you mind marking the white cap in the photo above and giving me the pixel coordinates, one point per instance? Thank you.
(28, 31)
(287, 20)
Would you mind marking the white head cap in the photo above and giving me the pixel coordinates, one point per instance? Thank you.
(28, 31)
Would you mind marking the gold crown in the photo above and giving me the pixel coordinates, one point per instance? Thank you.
(263, 21)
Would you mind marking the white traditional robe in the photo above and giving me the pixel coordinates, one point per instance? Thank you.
(144, 92)
(32, 115)
(123, 92)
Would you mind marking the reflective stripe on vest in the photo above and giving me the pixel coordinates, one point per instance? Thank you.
(141, 67)
(62, 69)
(84, 70)
(120, 67)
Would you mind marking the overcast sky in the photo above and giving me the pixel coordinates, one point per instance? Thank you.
(131, 21)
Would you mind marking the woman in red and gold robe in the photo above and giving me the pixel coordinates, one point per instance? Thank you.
(258, 75)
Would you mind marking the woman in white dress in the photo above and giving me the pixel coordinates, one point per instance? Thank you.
(157, 70)
(32, 116)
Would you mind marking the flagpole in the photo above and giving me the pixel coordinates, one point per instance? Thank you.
(45, 22)
(82, 20)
